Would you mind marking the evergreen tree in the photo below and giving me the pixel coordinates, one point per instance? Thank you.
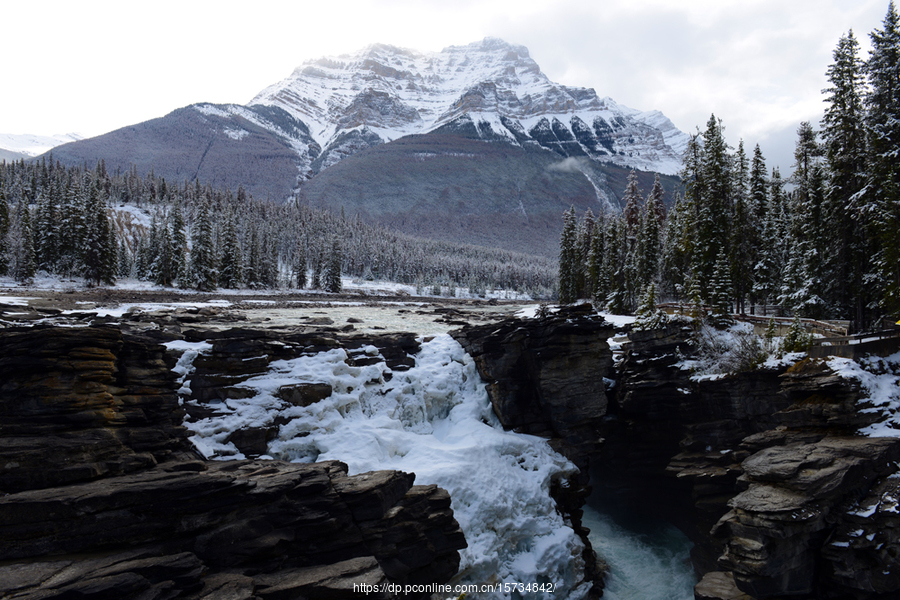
(714, 206)
(46, 234)
(568, 258)
(98, 256)
(300, 265)
(4, 230)
(677, 248)
(179, 246)
(880, 216)
(584, 284)
(720, 294)
(595, 262)
(19, 245)
(649, 247)
(756, 206)
(333, 269)
(204, 274)
(648, 315)
(742, 229)
(768, 270)
(231, 264)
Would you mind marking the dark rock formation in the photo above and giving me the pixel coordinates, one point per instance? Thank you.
(545, 377)
(103, 498)
(763, 470)
(79, 404)
(778, 526)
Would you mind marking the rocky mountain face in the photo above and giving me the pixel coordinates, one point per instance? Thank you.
(101, 495)
(472, 130)
(494, 88)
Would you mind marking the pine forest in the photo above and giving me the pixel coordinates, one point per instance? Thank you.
(822, 242)
(75, 222)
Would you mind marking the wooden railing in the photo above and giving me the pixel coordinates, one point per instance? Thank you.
(882, 343)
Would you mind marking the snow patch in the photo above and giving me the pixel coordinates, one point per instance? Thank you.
(879, 378)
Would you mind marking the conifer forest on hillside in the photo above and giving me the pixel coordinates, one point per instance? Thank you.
(823, 242)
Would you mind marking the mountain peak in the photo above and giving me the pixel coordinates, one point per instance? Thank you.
(384, 92)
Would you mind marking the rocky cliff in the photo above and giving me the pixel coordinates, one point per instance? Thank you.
(763, 469)
(103, 498)
(548, 377)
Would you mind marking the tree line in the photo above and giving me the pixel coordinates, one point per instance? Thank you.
(821, 243)
(70, 222)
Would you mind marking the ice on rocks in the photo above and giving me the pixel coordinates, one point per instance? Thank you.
(434, 420)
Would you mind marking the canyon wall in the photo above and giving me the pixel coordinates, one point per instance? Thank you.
(102, 496)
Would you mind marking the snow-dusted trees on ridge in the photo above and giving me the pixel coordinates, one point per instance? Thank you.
(194, 236)
(823, 243)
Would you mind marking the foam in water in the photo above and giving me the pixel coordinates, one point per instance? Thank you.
(434, 420)
(648, 560)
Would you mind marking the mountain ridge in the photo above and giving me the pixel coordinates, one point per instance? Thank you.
(541, 147)
(391, 92)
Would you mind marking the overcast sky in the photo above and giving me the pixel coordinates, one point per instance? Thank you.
(93, 66)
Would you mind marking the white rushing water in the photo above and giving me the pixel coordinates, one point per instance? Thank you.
(648, 559)
(434, 420)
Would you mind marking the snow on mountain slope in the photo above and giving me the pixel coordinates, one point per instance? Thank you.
(35, 145)
(383, 92)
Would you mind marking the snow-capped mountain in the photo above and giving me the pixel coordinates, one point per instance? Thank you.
(34, 145)
(472, 144)
(493, 88)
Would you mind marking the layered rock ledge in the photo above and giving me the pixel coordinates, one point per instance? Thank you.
(764, 470)
(101, 496)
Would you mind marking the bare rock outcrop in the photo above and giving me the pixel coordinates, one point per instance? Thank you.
(762, 469)
(101, 495)
(545, 376)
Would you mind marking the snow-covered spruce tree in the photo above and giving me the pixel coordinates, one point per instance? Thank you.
(231, 265)
(721, 315)
(595, 261)
(714, 207)
(4, 230)
(676, 251)
(568, 258)
(162, 270)
(742, 230)
(584, 283)
(125, 260)
(648, 247)
(767, 272)
(796, 339)
(880, 216)
(97, 255)
(844, 141)
(179, 245)
(648, 315)
(204, 274)
(19, 245)
(757, 204)
(46, 238)
(802, 285)
(300, 265)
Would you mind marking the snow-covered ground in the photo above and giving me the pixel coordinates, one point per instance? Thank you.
(880, 378)
(350, 286)
(434, 420)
